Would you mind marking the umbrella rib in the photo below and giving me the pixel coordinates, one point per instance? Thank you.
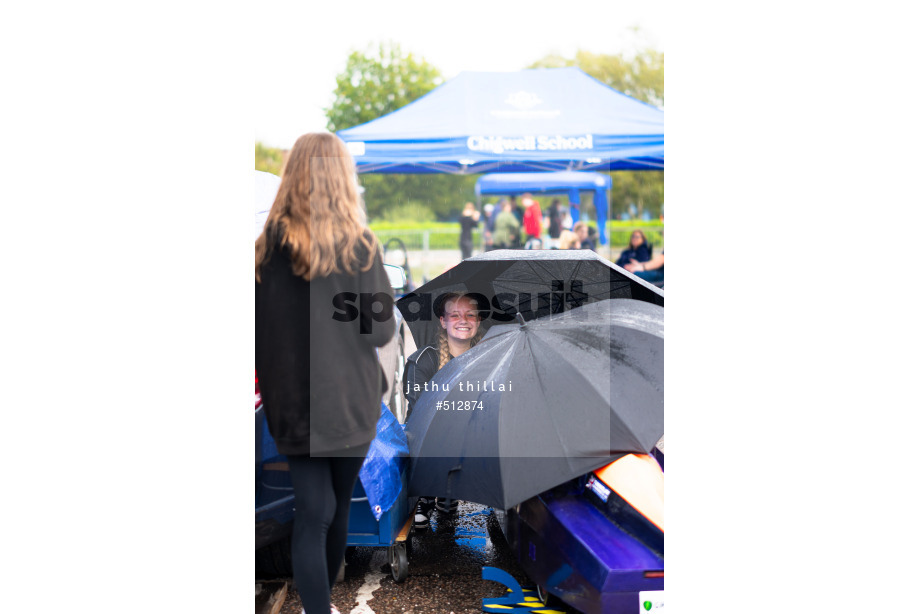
(550, 349)
(543, 272)
(543, 268)
(543, 390)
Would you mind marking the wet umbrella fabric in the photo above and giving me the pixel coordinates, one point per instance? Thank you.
(532, 282)
(561, 396)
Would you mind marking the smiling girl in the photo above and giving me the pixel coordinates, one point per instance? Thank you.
(460, 330)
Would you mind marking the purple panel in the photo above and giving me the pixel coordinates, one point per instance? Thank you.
(608, 543)
(569, 546)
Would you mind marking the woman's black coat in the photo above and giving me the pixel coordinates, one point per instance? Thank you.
(319, 376)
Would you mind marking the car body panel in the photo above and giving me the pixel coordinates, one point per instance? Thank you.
(586, 550)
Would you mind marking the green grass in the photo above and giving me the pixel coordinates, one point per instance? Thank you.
(618, 232)
(375, 226)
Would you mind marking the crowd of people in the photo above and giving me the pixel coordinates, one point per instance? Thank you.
(513, 225)
(510, 225)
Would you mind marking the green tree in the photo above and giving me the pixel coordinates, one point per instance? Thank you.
(443, 195)
(640, 75)
(269, 159)
(378, 81)
(373, 85)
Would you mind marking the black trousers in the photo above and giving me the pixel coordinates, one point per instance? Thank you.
(322, 497)
(466, 248)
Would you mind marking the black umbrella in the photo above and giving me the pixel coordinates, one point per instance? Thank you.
(534, 405)
(534, 283)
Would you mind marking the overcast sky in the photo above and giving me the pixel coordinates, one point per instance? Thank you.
(300, 48)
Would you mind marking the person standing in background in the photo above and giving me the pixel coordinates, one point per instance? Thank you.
(469, 220)
(489, 227)
(517, 210)
(567, 221)
(507, 229)
(554, 214)
(533, 218)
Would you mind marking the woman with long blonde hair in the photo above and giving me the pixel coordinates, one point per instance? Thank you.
(568, 240)
(320, 381)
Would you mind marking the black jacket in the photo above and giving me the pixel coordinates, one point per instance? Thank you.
(420, 368)
(320, 380)
(555, 222)
(467, 224)
(640, 254)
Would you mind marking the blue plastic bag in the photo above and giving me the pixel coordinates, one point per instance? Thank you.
(386, 458)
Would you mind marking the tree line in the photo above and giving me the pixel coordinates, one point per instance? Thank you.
(383, 79)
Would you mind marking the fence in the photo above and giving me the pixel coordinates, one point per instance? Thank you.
(429, 239)
(424, 240)
(430, 251)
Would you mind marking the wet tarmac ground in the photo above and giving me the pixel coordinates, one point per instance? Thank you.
(445, 570)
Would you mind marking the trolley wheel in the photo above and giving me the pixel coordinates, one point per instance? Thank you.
(547, 598)
(399, 562)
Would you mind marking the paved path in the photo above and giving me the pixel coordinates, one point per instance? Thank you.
(445, 570)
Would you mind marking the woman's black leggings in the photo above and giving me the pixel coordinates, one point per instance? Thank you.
(322, 497)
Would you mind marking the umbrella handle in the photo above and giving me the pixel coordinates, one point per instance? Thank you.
(520, 319)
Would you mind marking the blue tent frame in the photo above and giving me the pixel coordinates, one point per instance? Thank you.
(571, 183)
(529, 121)
(545, 119)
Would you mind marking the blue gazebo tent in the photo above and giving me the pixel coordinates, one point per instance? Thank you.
(571, 183)
(544, 119)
